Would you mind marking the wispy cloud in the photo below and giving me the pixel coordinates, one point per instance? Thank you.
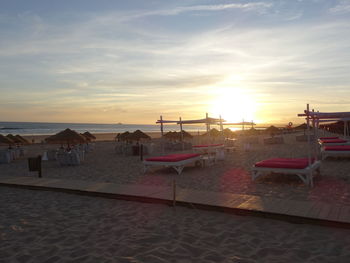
(342, 7)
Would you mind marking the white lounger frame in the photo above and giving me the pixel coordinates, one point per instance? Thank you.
(178, 166)
(325, 153)
(306, 174)
(334, 144)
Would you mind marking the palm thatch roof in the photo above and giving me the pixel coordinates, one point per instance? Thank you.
(213, 133)
(66, 136)
(123, 136)
(140, 135)
(14, 138)
(88, 134)
(24, 141)
(272, 129)
(5, 140)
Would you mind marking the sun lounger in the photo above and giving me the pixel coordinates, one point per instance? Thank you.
(176, 161)
(335, 151)
(297, 166)
(333, 142)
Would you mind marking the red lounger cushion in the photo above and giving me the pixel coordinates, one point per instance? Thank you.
(209, 145)
(334, 141)
(289, 163)
(172, 157)
(337, 148)
(328, 138)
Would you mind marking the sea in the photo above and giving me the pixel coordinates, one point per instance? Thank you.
(48, 128)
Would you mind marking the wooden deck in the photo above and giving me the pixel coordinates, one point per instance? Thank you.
(288, 210)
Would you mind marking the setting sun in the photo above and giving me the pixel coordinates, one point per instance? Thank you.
(234, 105)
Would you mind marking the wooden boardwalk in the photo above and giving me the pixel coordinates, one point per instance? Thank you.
(293, 211)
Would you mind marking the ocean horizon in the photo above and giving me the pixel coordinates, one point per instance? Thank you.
(49, 128)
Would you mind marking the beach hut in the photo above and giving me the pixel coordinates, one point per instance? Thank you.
(67, 136)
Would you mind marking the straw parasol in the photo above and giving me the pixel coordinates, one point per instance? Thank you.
(69, 136)
(253, 131)
(185, 134)
(140, 135)
(14, 138)
(213, 133)
(24, 141)
(170, 135)
(88, 134)
(123, 136)
(5, 140)
(87, 138)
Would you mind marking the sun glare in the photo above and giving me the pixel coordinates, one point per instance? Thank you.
(234, 105)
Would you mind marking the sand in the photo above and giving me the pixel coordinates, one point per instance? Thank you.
(231, 175)
(40, 226)
(55, 227)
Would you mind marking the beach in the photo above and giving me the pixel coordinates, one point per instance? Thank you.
(46, 226)
(40, 226)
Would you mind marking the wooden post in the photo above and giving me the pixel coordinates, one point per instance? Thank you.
(161, 125)
(141, 152)
(182, 135)
(174, 191)
(308, 133)
(39, 164)
(207, 122)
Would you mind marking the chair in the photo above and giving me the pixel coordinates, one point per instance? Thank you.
(297, 166)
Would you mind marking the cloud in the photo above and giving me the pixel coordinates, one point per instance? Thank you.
(342, 8)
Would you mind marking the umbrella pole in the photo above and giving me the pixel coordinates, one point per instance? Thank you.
(174, 190)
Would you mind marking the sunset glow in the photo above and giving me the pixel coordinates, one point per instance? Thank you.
(131, 61)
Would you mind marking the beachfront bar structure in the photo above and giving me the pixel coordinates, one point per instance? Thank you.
(207, 121)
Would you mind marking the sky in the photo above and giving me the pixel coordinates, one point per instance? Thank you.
(110, 61)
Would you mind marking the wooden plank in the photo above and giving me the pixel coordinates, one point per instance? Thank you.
(344, 215)
(298, 208)
(334, 212)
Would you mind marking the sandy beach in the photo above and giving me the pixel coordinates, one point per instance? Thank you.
(55, 227)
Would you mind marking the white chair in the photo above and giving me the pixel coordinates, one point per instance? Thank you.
(5, 156)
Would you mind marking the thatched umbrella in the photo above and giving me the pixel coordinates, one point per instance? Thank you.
(87, 138)
(301, 127)
(24, 141)
(123, 136)
(14, 138)
(140, 135)
(171, 135)
(69, 136)
(88, 134)
(272, 130)
(185, 134)
(213, 133)
(228, 133)
(253, 131)
(5, 140)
